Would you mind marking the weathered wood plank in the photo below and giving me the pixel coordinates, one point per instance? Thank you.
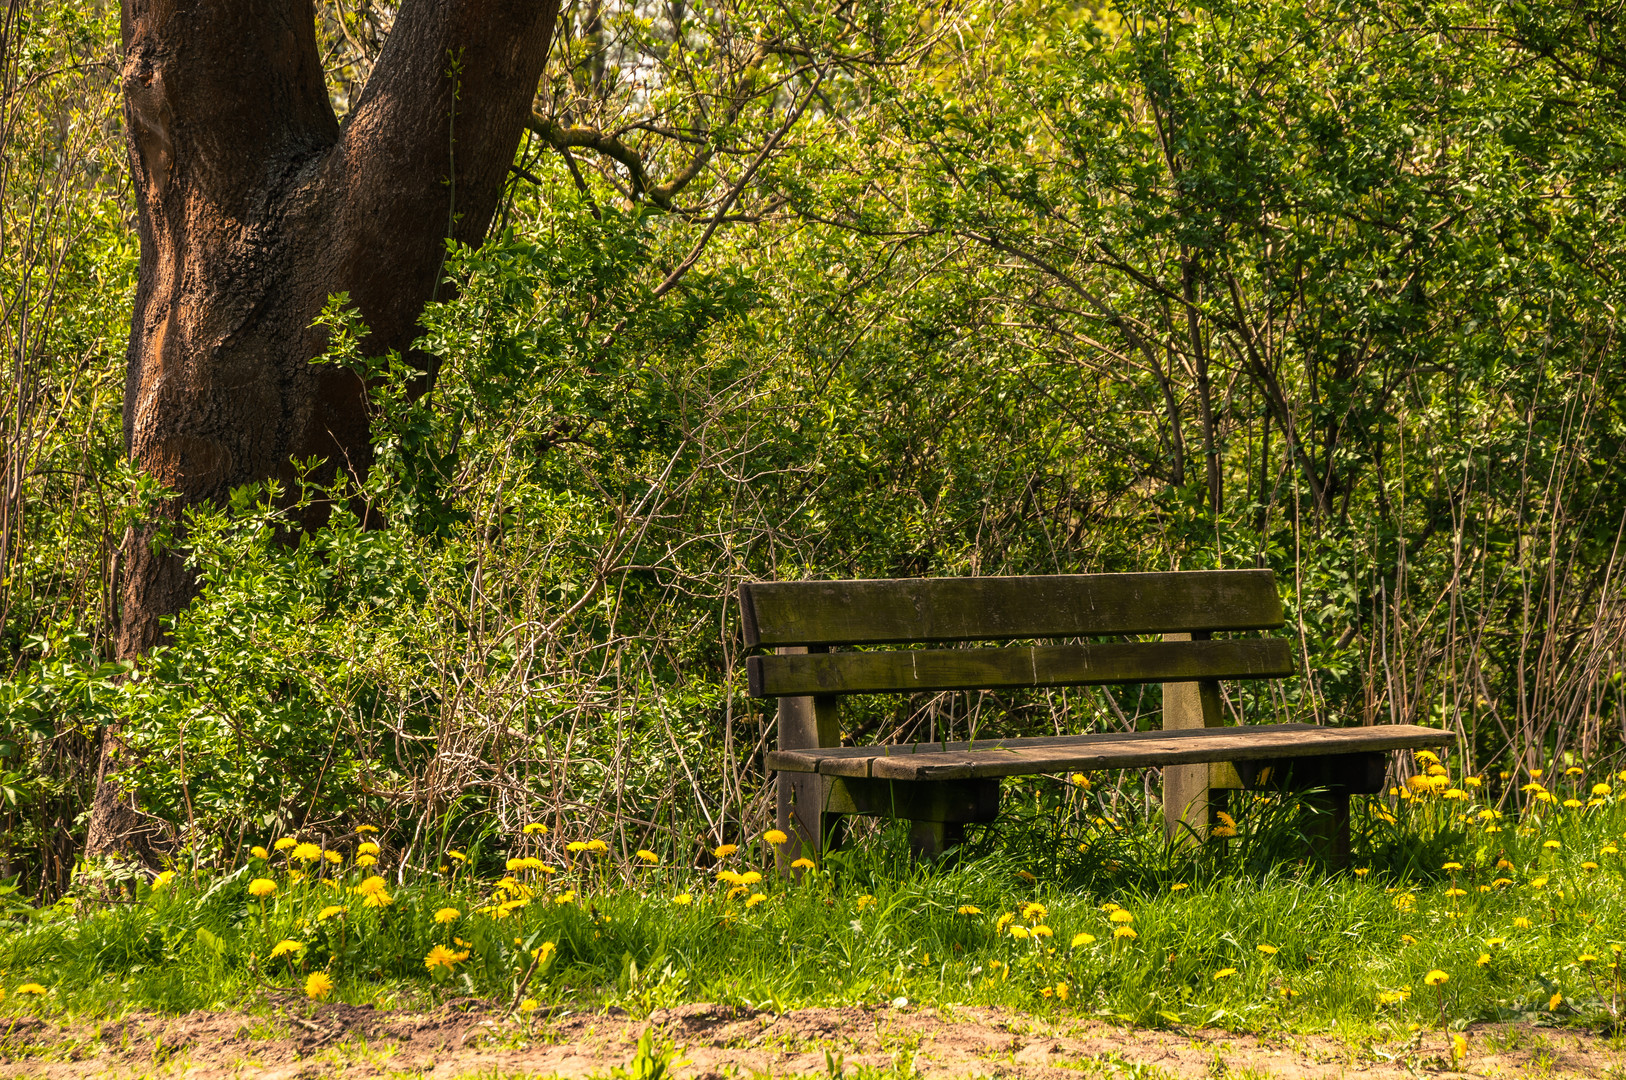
(833, 760)
(1085, 753)
(877, 612)
(1014, 667)
(945, 800)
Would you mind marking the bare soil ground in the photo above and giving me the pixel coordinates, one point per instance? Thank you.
(361, 1043)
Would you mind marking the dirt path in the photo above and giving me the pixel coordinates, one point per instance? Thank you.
(352, 1043)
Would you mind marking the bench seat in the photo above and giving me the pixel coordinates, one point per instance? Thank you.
(1085, 753)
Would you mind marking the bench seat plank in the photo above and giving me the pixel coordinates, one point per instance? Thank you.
(914, 670)
(1086, 753)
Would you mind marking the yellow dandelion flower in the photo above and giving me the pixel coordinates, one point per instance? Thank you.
(333, 857)
(286, 946)
(1003, 921)
(366, 828)
(377, 900)
(528, 1006)
(1472, 781)
(1573, 804)
(1484, 959)
(1121, 916)
(367, 847)
(755, 898)
(1555, 1001)
(1393, 997)
(733, 877)
(307, 852)
(597, 847)
(364, 861)
(162, 880)
(750, 877)
(724, 851)
(802, 864)
(1589, 866)
(1062, 991)
(682, 899)
(1033, 911)
(448, 914)
(1081, 781)
(458, 855)
(1456, 892)
(440, 956)
(1224, 973)
(535, 828)
(1538, 882)
(1426, 757)
(969, 909)
(1521, 923)
(648, 856)
(318, 985)
(1268, 950)
(1019, 932)
(259, 852)
(31, 988)
(738, 890)
(1436, 977)
(1178, 886)
(262, 887)
(775, 837)
(285, 843)
(1080, 940)
(329, 912)
(1361, 871)
(864, 901)
(1043, 931)
(1125, 932)
(1586, 958)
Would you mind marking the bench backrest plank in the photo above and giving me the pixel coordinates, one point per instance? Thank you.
(926, 610)
(1013, 667)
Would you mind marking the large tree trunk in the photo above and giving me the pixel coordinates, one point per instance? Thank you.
(255, 205)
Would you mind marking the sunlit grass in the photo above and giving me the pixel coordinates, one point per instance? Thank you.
(1456, 910)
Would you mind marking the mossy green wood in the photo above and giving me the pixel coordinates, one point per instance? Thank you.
(1013, 667)
(924, 610)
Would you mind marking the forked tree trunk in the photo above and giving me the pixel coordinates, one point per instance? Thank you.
(255, 205)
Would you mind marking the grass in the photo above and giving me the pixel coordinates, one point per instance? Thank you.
(1068, 912)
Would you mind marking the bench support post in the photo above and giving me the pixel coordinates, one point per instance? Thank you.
(803, 798)
(1326, 827)
(1189, 803)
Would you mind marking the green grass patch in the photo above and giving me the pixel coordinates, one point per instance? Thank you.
(1061, 913)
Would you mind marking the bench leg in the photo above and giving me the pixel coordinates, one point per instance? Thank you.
(1188, 800)
(931, 839)
(813, 830)
(1327, 827)
(804, 798)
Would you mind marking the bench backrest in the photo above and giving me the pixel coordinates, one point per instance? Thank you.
(818, 614)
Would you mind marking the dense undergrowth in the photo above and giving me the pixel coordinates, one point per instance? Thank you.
(1460, 906)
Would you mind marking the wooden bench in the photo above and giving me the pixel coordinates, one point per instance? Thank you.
(940, 787)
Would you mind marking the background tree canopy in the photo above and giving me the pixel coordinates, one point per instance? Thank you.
(988, 288)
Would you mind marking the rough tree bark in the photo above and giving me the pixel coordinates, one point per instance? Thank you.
(255, 205)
